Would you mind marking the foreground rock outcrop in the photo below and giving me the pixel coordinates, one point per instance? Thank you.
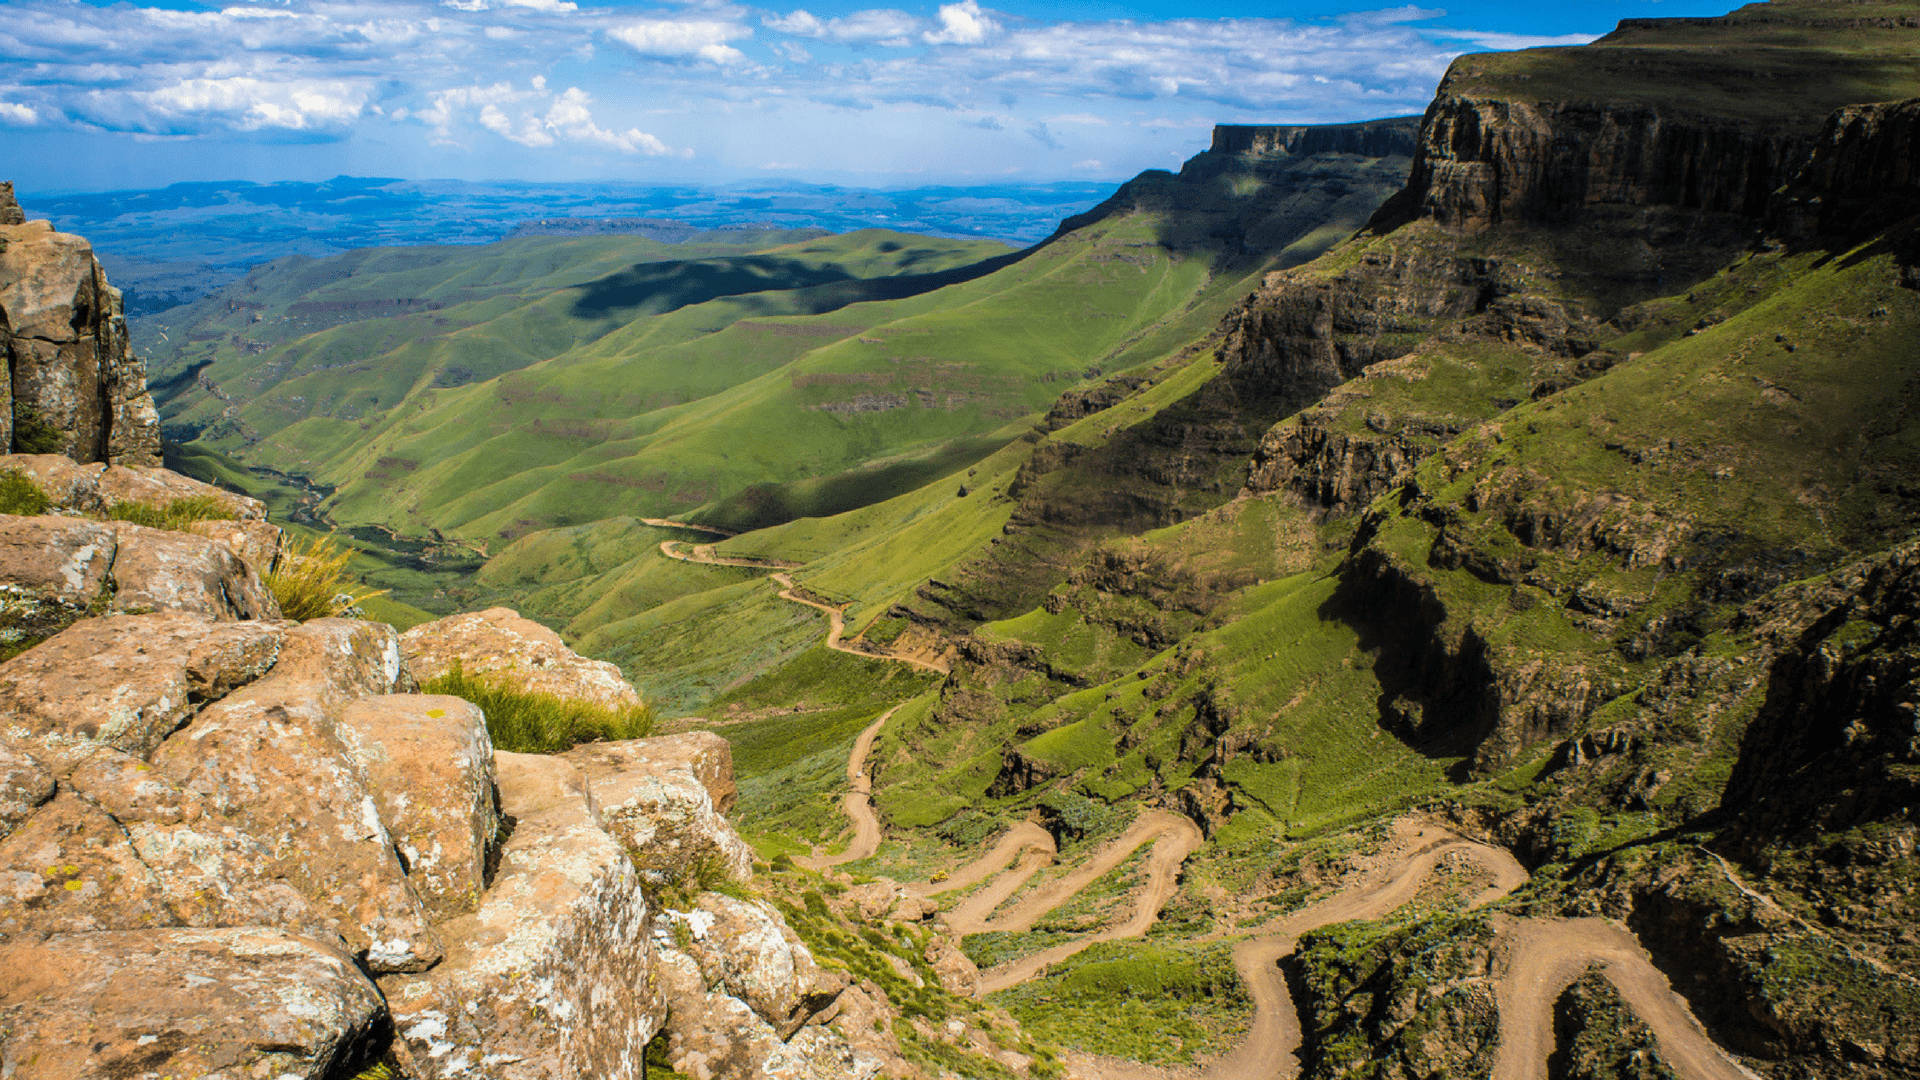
(73, 385)
(244, 848)
(499, 640)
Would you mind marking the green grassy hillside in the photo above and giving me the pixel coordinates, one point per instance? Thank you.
(543, 383)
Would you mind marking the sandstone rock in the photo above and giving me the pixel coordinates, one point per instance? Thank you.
(158, 487)
(10, 212)
(651, 795)
(68, 483)
(94, 486)
(69, 868)
(430, 764)
(270, 756)
(863, 1017)
(746, 950)
(955, 970)
(24, 786)
(885, 898)
(127, 681)
(73, 372)
(161, 570)
(499, 640)
(252, 1002)
(61, 560)
(714, 1036)
(553, 976)
(256, 542)
(207, 870)
(705, 756)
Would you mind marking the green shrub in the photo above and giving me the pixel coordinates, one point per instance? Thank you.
(19, 495)
(530, 722)
(32, 435)
(312, 582)
(176, 515)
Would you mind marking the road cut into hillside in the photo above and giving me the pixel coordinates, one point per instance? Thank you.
(706, 555)
(857, 803)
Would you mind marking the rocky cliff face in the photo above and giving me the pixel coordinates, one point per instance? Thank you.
(1483, 161)
(1375, 138)
(73, 385)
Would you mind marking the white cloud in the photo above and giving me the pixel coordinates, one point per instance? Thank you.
(569, 117)
(12, 113)
(962, 24)
(550, 6)
(884, 26)
(536, 117)
(253, 104)
(683, 39)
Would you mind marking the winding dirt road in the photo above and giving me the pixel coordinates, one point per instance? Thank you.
(858, 803)
(1174, 838)
(1536, 958)
(670, 523)
(705, 555)
(1545, 956)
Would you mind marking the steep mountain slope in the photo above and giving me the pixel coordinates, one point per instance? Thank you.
(1572, 501)
(879, 361)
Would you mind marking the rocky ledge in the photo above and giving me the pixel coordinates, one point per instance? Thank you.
(232, 845)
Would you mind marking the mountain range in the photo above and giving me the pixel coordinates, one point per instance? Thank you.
(1424, 598)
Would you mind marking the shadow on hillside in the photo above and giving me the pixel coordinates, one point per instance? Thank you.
(658, 288)
(763, 505)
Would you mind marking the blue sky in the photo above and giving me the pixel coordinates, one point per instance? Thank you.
(99, 96)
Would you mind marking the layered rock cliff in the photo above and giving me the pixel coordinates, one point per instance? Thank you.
(73, 385)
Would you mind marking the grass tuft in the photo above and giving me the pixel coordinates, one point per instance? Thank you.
(19, 495)
(312, 582)
(175, 515)
(530, 722)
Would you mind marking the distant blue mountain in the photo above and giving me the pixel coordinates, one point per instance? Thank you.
(172, 245)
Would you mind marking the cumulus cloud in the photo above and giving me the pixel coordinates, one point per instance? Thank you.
(962, 24)
(535, 117)
(884, 26)
(683, 39)
(17, 114)
(251, 104)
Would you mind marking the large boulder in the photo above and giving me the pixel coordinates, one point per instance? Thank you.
(746, 950)
(53, 570)
(74, 384)
(162, 570)
(126, 681)
(656, 796)
(430, 764)
(253, 1002)
(499, 640)
(270, 756)
(206, 868)
(712, 1035)
(56, 569)
(552, 978)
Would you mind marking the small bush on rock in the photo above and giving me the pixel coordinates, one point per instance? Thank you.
(19, 495)
(312, 583)
(33, 435)
(528, 722)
